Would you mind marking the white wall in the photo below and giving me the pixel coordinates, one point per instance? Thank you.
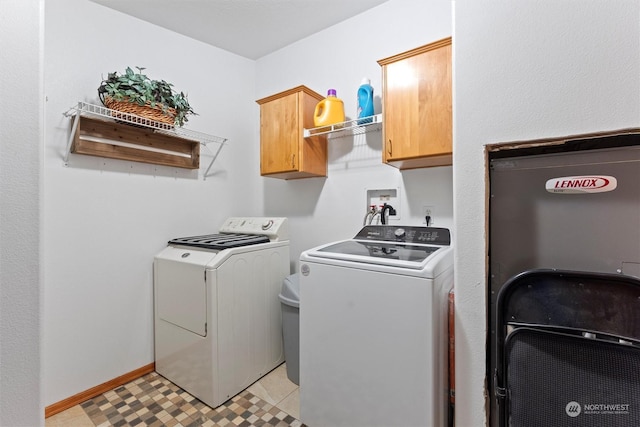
(106, 219)
(20, 212)
(326, 209)
(526, 70)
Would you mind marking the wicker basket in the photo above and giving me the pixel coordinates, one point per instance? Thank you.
(145, 113)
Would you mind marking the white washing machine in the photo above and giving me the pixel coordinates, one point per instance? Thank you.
(217, 316)
(374, 330)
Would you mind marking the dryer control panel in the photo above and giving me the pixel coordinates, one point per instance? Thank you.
(276, 228)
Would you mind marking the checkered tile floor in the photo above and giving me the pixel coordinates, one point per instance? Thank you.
(154, 401)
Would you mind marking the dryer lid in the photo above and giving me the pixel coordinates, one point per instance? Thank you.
(220, 241)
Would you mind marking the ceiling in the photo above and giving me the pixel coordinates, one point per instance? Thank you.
(249, 28)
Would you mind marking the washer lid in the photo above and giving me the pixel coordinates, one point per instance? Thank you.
(409, 247)
(386, 253)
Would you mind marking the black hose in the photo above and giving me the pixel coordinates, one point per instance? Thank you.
(383, 212)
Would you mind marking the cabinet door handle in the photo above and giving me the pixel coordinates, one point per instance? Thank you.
(293, 160)
(389, 147)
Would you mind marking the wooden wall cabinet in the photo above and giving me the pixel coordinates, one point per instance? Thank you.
(284, 152)
(416, 107)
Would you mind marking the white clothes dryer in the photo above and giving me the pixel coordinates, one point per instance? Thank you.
(374, 330)
(217, 317)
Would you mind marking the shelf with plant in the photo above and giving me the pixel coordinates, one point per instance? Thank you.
(135, 93)
(141, 121)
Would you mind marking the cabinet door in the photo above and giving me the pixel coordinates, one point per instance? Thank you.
(279, 135)
(417, 105)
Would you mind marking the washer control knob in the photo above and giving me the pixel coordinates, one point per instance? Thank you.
(399, 232)
(267, 224)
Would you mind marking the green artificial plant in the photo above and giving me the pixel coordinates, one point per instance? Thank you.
(138, 88)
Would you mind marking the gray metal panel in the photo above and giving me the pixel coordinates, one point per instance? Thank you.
(532, 228)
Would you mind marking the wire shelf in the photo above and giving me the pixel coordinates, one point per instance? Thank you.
(348, 128)
(86, 109)
(97, 111)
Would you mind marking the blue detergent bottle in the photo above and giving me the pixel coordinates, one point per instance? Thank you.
(365, 102)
